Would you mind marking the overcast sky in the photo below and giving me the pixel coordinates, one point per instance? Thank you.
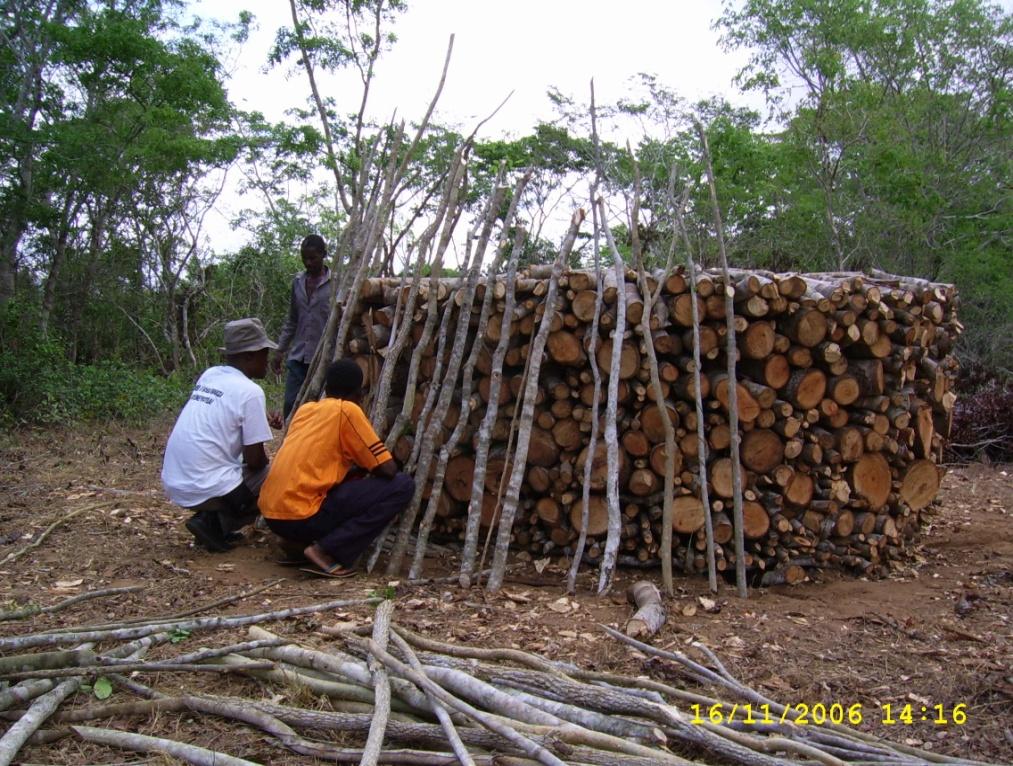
(524, 46)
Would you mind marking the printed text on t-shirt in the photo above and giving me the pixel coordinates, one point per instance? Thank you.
(198, 390)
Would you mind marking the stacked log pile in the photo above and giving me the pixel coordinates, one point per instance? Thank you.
(844, 400)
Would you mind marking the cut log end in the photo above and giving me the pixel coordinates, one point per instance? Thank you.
(920, 484)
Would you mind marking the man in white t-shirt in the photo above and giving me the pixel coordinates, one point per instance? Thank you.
(215, 460)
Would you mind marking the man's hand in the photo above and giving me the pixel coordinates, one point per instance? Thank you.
(275, 420)
(276, 363)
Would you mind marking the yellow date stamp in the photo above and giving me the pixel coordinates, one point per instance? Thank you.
(822, 714)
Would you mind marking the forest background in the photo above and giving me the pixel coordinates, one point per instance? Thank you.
(884, 142)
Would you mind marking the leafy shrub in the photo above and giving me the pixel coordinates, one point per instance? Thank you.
(38, 384)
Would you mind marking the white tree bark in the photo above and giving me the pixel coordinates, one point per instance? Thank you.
(43, 707)
(16, 643)
(381, 688)
(659, 397)
(733, 398)
(492, 408)
(141, 743)
(608, 563)
(701, 437)
(454, 190)
(592, 441)
(535, 353)
(453, 738)
(468, 376)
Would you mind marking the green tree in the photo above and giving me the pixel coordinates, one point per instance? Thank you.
(112, 170)
(903, 130)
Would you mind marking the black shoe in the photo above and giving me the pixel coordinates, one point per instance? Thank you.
(208, 532)
(234, 538)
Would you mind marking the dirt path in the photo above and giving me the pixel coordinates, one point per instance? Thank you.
(938, 632)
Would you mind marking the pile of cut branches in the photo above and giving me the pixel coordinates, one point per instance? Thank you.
(398, 697)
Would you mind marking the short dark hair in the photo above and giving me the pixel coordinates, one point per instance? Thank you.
(344, 378)
(313, 242)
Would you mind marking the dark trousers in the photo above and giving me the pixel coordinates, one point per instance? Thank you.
(352, 514)
(238, 507)
(293, 382)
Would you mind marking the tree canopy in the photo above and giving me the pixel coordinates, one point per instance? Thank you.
(886, 143)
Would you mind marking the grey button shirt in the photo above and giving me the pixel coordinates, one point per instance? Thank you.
(306, 319)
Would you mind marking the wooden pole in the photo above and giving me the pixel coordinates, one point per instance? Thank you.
(733, 406)
(513, 492)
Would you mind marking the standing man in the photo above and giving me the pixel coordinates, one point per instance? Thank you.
(215, 460)
(333, 486)
(308, 309)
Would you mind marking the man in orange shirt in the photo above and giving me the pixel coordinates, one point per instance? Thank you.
(333, 486)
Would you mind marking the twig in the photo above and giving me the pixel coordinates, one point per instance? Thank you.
(442, 580)
(150, 494)
(41, 709)
(492, 723)
(483, 653)
(962, 633)
(257, 716)
(441, 712)
(172, 567)
(221, 651)
(141, 743)
(180, 615)
(289, 675)
(120, 710)
(137, 667)
(33, 609)
(208, 623)
(12, 557)
(135, 686)
(381, 687)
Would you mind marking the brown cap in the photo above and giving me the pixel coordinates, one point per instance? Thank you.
(243, 335)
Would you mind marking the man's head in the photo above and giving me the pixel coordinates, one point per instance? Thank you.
(246, 346)
(344, 380)
(313, 251)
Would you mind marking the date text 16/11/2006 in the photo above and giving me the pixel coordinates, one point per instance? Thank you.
(820, 714)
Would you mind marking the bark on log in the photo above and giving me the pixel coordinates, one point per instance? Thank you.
(650, 615)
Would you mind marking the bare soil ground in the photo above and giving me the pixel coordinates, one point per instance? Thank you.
(938, 632)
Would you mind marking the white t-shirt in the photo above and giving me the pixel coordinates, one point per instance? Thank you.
(204, 454)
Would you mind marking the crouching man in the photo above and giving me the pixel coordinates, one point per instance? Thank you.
(333, 486)
(215, 460)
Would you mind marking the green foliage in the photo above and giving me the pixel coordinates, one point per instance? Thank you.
(38, 384)
(896, 147)
(888, 146)
(179, 635)
(443, 271)
(102, 688)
